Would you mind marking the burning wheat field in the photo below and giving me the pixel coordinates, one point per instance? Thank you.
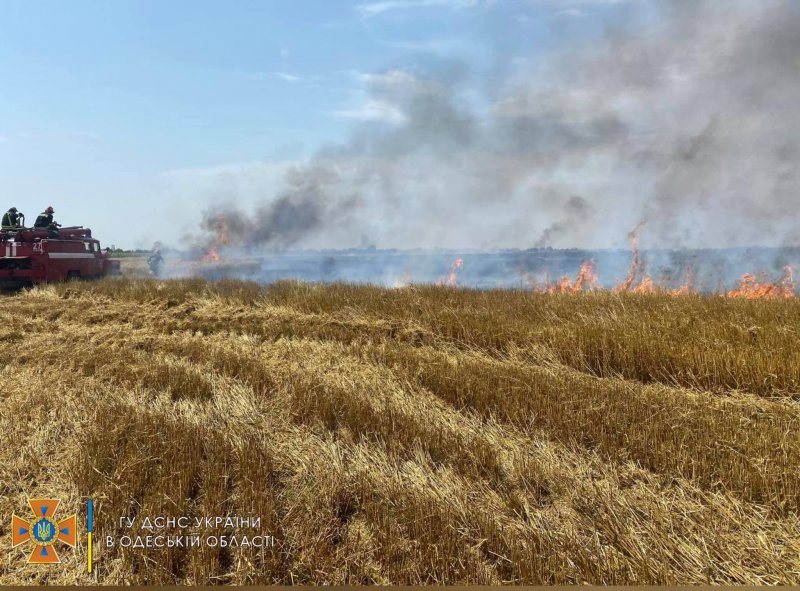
(400, 292)
(423, 434)
(753, 273)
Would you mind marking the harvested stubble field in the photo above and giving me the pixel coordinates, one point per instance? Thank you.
(415, 435)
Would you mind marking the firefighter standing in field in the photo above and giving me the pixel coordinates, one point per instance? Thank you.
(12, 219)
(155, 261)
(45, 219)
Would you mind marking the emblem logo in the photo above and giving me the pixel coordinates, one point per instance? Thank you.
(44, 531)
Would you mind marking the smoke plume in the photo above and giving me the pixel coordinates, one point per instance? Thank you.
(686, 114)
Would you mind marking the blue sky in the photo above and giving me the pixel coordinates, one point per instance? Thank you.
(101, 102)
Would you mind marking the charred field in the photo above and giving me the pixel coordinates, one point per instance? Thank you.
(425, 434)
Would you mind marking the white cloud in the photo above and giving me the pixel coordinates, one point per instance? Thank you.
(374, 110)
(569, 3)
(566, 7)
(390, 78)
(377, 8)
(578, 8)
(288, 77)
(571, 12)
(442, 45)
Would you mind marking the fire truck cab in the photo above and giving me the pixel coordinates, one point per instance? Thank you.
(29, 256)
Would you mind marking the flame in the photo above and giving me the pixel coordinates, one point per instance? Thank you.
(646, 285)
(212, 256)
(638, 268)
(688, 284)
(587, 276)
(635, 268)
(637, 280)
(221, 238)
(586, 279)
(452, 278)
(756, 286)
(750, 285)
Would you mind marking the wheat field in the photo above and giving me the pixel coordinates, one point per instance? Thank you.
(420, 435)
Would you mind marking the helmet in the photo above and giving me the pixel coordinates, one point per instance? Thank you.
(14, 209)
(50, 210)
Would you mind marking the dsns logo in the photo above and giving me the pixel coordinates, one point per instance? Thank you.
(44, 531)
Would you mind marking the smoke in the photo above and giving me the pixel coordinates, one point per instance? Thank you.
(576, 212)
(686, 113)
(283, 221)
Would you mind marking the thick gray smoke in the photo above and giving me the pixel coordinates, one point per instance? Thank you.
(687, 114)
(289, 217)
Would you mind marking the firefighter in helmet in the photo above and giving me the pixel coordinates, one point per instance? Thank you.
(12, 219)
(45, 219)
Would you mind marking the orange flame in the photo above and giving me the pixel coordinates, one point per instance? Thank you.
(586, 279)
(646, 285)
(635, 268)
(750, 286)
(212, 256)
(222, 238)
(755, 286)
(452, 278)
(688, 284)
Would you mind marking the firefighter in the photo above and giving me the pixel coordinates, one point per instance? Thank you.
(155, 261)
(45, 219)
(12, 219)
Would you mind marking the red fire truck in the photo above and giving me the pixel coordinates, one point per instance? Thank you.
(32, 255)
